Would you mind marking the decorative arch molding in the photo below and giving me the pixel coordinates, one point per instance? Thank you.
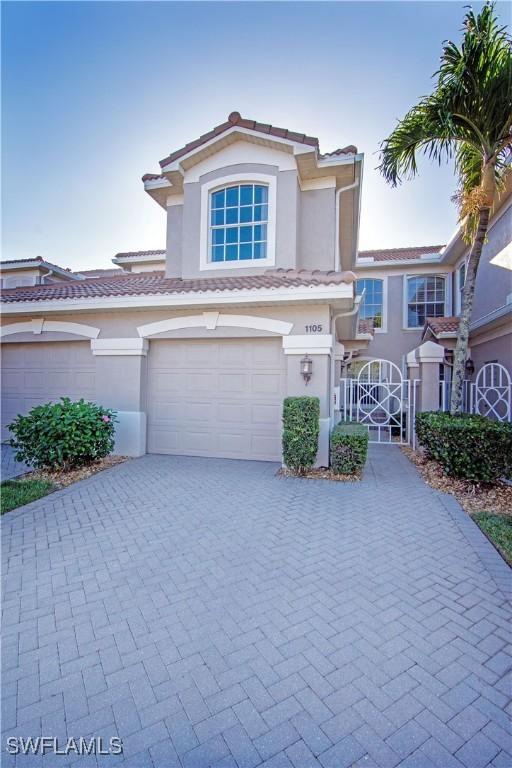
(41, 326)
(213, 320)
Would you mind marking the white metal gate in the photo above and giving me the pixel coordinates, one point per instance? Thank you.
(382, 399)
(491, 394)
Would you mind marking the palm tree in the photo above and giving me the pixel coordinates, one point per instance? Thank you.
(468, 117)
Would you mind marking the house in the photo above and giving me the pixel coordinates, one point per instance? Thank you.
(261, 234)
(196, 345)
(37, 271)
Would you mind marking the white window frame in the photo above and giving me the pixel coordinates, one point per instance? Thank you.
(405, 302)
(270, 181)
(458, 297)
(384, 280)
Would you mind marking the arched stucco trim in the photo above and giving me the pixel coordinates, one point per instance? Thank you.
(40, 326)
(213, 320)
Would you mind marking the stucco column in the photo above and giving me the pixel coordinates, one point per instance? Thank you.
(121, 384)
(319, 348)
(429, 357)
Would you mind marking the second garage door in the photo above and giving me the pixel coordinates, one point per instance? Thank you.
(35, 373)
(216, 398)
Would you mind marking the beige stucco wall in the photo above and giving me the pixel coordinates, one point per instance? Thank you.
(492, 350)
(493, 283)
(124, 323)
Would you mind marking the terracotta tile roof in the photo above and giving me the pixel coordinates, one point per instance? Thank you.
(236, 119)
(439, 325)
(102, 272)
(350, 150)
(39, 259)
(21, 261)
(401, 254)
(136, 254)
(153, 283)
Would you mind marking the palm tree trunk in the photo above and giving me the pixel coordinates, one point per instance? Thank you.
(461, 349)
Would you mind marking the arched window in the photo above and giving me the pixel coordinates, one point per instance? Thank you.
(373, 301)
(425, 298)
(238, 223)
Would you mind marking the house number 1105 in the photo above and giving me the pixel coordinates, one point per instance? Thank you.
(315, 328)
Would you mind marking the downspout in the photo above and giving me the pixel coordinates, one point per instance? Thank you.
(50, 272)
(354, 311)
(337, 211)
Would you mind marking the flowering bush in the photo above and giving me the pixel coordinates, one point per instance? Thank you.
(64, 434)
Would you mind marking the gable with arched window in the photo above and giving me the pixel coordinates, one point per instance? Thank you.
(238, 221)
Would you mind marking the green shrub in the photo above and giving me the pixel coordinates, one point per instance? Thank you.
(348, 447)
(64, 434)
(301, 426)
(467, 446)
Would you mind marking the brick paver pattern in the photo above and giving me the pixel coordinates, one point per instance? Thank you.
(212, 613)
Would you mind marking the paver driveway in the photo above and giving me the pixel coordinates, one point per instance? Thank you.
(211, 613)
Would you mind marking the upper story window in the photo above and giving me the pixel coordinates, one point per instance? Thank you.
(425, 298)
(238, 223)
(461, 279)
(373, 302)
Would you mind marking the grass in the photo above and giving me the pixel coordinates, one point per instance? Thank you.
(15, 493)
(497, 528)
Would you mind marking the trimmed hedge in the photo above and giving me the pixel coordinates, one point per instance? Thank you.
(348, 447)
(63, 435)
(467, 446)
(301, 427)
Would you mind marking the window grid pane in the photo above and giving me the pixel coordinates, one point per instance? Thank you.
(238, 223)
(373, 306)
(426, 298)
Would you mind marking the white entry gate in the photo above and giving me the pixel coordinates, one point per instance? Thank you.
(491, 394)
(382, 399)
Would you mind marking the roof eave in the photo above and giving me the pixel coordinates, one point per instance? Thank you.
(336, 294)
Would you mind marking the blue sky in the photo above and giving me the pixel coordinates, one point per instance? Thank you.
(95, 94)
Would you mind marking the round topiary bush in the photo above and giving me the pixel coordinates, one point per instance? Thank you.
(63, 435)
(467, 446)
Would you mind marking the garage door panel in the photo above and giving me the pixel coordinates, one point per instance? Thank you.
(232, 444)
(265, 414)
(266, 383)
(36, 373)
(233, 383)
(269, 355)
(229, 404)
(233, 355)
(231, 413)
(264, 445)
(199, 381)
(198, 441)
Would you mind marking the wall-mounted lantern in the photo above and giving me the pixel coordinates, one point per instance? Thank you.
(469, 367)
(306, 368)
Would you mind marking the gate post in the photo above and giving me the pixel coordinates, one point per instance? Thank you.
(429, 357)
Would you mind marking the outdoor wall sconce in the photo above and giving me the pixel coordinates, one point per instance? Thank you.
(306, 368)
(469, 367)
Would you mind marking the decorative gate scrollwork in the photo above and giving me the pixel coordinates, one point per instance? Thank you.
(492, 392)
(379, 397)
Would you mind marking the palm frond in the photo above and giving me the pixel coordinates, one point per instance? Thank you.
(468, 116)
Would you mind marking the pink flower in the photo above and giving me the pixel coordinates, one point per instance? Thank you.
(105, 418)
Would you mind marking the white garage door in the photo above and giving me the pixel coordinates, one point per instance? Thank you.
(36, 373)
(216, 398)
